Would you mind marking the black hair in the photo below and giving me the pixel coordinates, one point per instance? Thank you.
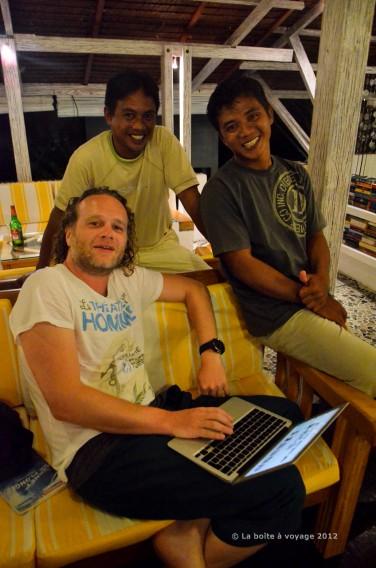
(70, 218)
(230, 89)
(128, 82)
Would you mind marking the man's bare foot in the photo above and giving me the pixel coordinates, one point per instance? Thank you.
(181, 544)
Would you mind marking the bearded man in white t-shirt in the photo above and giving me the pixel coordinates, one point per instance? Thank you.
(78, 327)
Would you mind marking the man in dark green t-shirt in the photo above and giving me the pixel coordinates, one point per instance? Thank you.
(261, 219)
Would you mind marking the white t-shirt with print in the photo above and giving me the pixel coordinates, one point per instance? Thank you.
(109, 338)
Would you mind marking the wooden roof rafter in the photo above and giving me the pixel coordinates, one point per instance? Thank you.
(282, 4)
(185, 36)
(95, 31)
(254, 17)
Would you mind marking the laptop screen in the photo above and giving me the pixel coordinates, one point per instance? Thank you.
(293, 443)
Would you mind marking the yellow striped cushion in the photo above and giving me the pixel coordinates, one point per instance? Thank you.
(10, 389)
(33, 201)
(17, 542)
(12, 273)
(67, 529)
(171, 348)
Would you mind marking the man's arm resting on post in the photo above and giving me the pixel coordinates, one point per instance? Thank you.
(190, 198)
(52, 228)
(211, 376)
(50, 352)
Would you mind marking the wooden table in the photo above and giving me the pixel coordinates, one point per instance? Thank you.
(19, 259)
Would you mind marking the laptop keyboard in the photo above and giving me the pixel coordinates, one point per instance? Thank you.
(251, 433)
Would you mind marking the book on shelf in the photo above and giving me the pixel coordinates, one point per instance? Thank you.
(369, 249)
(27, 489)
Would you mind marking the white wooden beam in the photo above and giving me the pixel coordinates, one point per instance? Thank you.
(241, 52)
(302, 23)
(236, 37)
(16, 117)
(340, 76)
(271, 66)
(185, 99)
(167, 89)
(25, 42)
(281, 4)
(280, 66)
(284, 115)
(309, 32)
(305, 67)
(7, 18)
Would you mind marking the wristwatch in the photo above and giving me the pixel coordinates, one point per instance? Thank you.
(215, 345)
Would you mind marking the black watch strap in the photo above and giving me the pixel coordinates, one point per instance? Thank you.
(215, 345)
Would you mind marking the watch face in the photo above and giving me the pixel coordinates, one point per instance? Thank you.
(218, 346)
(215, 345)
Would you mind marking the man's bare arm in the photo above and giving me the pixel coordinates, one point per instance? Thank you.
(211, 376)
(50, 352)
(52, 228)
(260, 276)
(190, 198)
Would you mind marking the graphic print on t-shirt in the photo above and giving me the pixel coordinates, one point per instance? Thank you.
(119, 377)
(106, 316)
(289, 203)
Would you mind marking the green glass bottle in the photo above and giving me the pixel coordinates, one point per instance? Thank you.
(15, 229)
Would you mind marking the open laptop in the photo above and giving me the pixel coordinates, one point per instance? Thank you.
(262, 442)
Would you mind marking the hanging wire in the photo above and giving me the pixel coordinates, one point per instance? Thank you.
(75, 104)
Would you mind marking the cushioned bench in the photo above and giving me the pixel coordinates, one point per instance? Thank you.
(66, 529)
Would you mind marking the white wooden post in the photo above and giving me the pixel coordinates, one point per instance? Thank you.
(185, 99)
(167, 89)
(16, 116)
(345, 37)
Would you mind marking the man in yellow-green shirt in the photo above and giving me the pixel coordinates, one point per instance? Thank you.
(142, 162)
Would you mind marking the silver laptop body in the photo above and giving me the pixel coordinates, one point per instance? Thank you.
(265, 443)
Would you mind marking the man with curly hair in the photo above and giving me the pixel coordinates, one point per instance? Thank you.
(78, 326)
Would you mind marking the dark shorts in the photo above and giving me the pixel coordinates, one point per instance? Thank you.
(141, 477)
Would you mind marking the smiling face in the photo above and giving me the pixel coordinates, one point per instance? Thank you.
(98, 239)
(132, 123)
(245, 128)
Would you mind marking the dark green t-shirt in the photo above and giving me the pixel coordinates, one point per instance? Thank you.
(272, 211)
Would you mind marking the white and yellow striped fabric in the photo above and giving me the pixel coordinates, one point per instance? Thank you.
(33, 201)
(67, 529)
(17, 540)
(10, 388)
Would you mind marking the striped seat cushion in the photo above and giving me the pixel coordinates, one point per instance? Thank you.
(171, 348)
(67, 529)
(10, 388)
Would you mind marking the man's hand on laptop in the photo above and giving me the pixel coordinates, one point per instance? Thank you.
(203, 422)
(211, 377)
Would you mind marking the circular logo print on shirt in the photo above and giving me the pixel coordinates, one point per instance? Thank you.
(290, 203)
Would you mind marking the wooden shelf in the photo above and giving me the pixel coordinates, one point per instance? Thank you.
(362, 213)
(358, 265)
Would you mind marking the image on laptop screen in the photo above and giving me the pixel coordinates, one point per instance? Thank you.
(291, 445)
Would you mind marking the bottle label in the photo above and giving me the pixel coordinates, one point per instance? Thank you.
(17, 238)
